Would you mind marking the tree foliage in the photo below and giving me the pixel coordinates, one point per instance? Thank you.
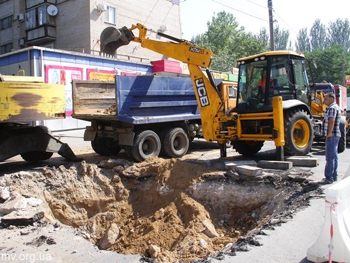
(339, 33)
(328, 48)
(322, 37)
(263, 37)
(318, 35)
(303, 43)
(326, 64)
(228, 41)
(281, 39)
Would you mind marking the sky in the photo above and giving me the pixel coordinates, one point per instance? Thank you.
(291, 15)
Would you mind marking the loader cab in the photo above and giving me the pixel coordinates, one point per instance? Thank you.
(269, 74)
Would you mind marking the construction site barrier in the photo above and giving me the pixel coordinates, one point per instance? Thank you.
(333, 243)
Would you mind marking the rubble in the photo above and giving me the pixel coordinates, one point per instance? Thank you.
(21, 218)
(109, 237)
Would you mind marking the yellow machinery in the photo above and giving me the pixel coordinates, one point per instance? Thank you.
(24, 100)
(280, 113)
(318, 108)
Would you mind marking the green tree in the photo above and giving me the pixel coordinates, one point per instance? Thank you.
(339, 33)
(281, 38)
(228, 41)
(303, 41)
(318, 36)
(326, 64)
(263, 37)
(328, 48)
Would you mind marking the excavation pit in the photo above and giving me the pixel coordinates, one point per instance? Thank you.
(165, 210)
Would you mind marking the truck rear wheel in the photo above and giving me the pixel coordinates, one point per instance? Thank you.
(175, 142)
(146, 144)
(36, 156)
(298, 133)
(105, 146)
(247, 148)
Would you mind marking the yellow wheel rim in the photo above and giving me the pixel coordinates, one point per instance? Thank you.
(301, 133)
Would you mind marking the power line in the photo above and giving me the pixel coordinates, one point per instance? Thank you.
(239, 11)
(151, 12)
(284, 22)
(257, 4)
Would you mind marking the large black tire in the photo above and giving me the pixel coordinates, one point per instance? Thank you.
(36, 156)
(342, 141)
(105, 146)
(298, 133)
(146, 145)
(247, 148)
(161, 135)
(175, 142)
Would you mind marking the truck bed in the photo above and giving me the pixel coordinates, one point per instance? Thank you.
(136, 99)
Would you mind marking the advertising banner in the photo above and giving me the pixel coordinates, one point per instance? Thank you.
(64, 75)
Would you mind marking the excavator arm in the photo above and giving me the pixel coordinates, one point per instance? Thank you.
(208, 97)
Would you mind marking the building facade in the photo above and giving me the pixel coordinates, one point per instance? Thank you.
(59, 40)
(76, 25)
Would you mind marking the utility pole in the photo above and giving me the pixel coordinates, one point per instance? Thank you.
(269, 7)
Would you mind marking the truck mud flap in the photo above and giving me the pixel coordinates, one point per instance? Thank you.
(62, 149)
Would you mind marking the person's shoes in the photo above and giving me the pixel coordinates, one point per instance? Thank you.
(326, 181)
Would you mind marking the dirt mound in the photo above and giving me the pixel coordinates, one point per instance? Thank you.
(169, 210)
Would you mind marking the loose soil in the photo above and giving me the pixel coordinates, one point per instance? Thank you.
(167, 210)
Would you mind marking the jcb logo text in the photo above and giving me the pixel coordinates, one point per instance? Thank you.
(202, 92)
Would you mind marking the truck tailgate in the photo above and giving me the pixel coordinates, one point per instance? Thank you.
(93, 99)
(22, 101)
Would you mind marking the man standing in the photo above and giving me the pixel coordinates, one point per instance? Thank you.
(331, 131)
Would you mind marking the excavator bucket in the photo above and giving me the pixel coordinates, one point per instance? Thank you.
(113, 38)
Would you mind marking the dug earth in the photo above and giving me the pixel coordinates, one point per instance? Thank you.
(165, 210)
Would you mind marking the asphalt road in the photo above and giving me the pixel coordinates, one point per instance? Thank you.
(287, 243)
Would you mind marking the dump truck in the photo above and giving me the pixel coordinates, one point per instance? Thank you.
(146, 116)
(24, 100)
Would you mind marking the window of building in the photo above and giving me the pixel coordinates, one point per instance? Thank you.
(6, 22)
(31, 19)
(37, 17)
(42, 15)
(6, 48)
(110, 16)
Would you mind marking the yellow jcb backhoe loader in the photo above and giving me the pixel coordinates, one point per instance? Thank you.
(278, 110)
